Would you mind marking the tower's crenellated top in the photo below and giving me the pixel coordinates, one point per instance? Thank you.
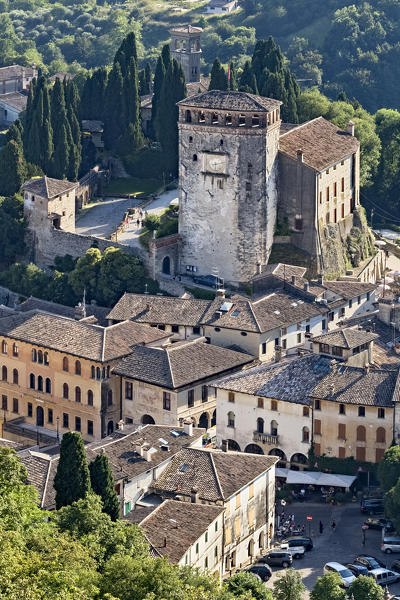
(186, 49)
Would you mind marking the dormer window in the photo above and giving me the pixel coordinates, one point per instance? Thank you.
(255, 121)
(228, 119)
(214, 118)
(242, 120)
(202, 117)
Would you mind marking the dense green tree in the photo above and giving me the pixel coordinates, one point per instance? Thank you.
(12, 168)
(289, 586)
(61, 157)
(102, 482)
(233, 84)
(248, 81)
(245, 584)
(147, 78)
(114, 107)
(12, 226)
(166, 56)
(389, 468)
(84, 276)
(118, 272)
(72, 479)
(14, 133)
(328, 587)
(392, 504)
(218, 77)
(159, 77)
(365, 588)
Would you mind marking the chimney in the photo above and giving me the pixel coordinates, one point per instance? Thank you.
(188, 428)
(147, 454)
(224, 446)
(220, 293)
(300, 155)
(80, 311)
(148, 306)
(366, 369)
(165, 542)
(321, 279)
(350, 128)
(139, 449)
(306, 286)
(293, 279)
(121, 424)
(194, 496)
(278, 353)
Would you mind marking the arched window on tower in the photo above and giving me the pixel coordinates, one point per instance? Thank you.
(188, 116)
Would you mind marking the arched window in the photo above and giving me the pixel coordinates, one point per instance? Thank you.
(306, 435)
(65, 391)
(108, 372)
(231, 419)
(109, 397)
(274, 428)
(194, 157)
(103, 373)
(188, 116)
(77, 394)
(92, 372)
(361, 433)
(15, 376)
(260, 425)
(4, 347)
(78, 370)
(40, 383)
(90, 398)
(65, 363)
(381, 434)
(34, 355)
(40, 357)
(48, 385)
(97, 372)
(15, 349)
(4, 373)
(46, 358)
(32, 381)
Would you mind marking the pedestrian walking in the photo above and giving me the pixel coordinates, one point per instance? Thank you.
(321, 527)
(292, 518)
(137, 222)
(333, 526)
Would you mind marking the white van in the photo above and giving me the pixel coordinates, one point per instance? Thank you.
(345, 573)
(390, 543)
(384, 576)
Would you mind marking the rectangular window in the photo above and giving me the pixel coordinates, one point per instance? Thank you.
(359, 300)
(251, 491)
(65, 420)
(327, 194)
(167, 401)
(237, 500)
(251, 516)
(306, 411)
(342, 409)
(264, 348)
(307, 329)
(90, 427)
(206, 563)
(4, 402)
(197, 548)
(361, 411)
(368, 296)
(360, 453)
(299, 338)
(127, 507)
(237, 527)
(77, 423)
(342, 211)
(342, 431)
(342, 452)
(204, 393)
(335, 215)
(190, 398)
(274, 404)
(128, 390)
(175, 328)
(196, 330)
(15, 405)
(216, 525)
(323, 324)
(317, 449)
(317, 426)
(260, 402)
(50, 415)
(30, 409)
(228, 537)
(320, 197)
(284, 344)
(350, 303)
(206, 537)
(381, 413)
(335, 189)
(231, 397)
(379, 452)
(342, 184)
(317, 405)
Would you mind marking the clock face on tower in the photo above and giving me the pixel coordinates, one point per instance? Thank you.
(215, 163)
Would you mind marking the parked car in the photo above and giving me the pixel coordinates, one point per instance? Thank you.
(370, 562)
(208, 280)
(372, 506)
(263, 571)
(395, 566)
(295, 551)
(357, 569)
(390, 543)
(277, 558)
(300, 540)
(346, 575)
(384, 576)
(379, 523)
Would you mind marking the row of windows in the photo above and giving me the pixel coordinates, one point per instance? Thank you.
(361, 432)
(342, 409)
(334, 189)
(361, 452)
(65, 420)
(4, 404)
(40, 384)
(4, 348)
(273, 404)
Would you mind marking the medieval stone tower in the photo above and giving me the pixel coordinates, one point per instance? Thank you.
(186, 49)
(228, 149)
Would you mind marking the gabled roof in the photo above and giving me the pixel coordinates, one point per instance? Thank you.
(15, 100)
(180, 364)
(346, 338)
(92, 310)
(49, 188)
(323, 143)
(231, 101)
(290, 380)
(14, 71)
(77, 337)
(186, 29)
(215, 475)
(349, 289)
(173, 527)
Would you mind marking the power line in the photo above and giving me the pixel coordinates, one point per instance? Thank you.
(382, 211)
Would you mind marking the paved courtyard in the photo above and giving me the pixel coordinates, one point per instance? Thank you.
(342, 546)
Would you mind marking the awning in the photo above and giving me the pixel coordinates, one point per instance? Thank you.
(315, 478)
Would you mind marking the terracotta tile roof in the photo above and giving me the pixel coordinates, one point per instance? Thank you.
(15, 100)
(349, 289)
(41, 472)
(352, 385)
(192, 88)
(173, 527)
(186, 29)
(180, 364)
(346, 338)
(323, 144)
(290, 380)
(215, 475)
(46, 187)
(232, 101)
(159, 309)
(14, 71)
(92, 310)
(76, 337)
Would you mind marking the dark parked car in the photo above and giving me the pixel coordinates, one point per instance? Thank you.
(372, 506)
(370, 562)
(300, 540)
(357, 569)
(208, 280)
(379, 523)
(263, 571)
(277, 558)
(396, 566)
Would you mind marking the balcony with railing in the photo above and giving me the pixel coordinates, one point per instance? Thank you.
(265, 438)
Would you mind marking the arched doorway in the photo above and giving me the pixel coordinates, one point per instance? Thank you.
(166, 265)
(214, 418)
(203, 421)
(281, 455)
(39, 416)
(253, 449)
(299, 459)
(232, 445)
(250, 549)
(261, 540)
(110, 427)
(148, 420)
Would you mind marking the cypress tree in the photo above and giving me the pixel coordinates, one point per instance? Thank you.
(142, 83)
(248, 81)
(259, 60)
(132, 132)
(12, 168)
(47, 148)
(233, 78)
(289, 110)
(147, 78)
(102, 482)
(72, 480)
(114, 107)
(99, 85)
(218, 79)
(61, 156)
(58, 111)
(75, 147)
(125, 52)
(14, 133)
(29, 110)
(85, 107)
(32, 143)
(166, 56)
(159, 77)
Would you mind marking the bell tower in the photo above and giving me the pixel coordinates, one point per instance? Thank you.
(228, 167)
(186, 49)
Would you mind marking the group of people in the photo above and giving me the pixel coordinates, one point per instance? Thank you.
(321, 527)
